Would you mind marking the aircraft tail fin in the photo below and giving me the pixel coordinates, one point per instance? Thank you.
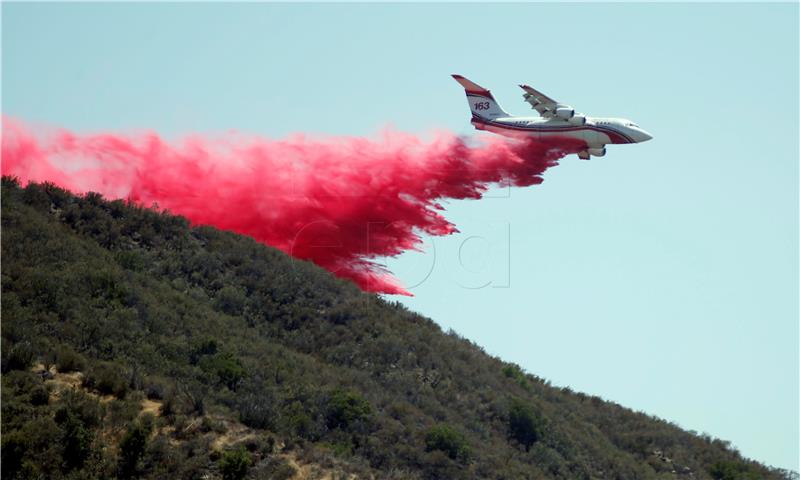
(480, 100)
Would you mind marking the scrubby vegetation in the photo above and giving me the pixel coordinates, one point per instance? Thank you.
(136, 346)
(449, 441)
(234, 464)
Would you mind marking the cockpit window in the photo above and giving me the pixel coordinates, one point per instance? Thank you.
(631, 124)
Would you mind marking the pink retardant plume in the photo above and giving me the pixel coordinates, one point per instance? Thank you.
(341, 202)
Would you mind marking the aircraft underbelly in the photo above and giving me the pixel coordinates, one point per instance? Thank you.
(591, 137)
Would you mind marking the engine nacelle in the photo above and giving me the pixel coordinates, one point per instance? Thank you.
(578, 120)
(597, 152)
(565, 112)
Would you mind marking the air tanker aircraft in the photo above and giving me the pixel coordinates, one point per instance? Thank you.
(556, 120)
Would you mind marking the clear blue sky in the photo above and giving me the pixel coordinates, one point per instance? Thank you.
(663, 277)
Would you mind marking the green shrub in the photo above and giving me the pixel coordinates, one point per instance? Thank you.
(18, 357)
(226, 367)
(45, 442)
(729, 470)
(447, 440)
(77, 440)
(300, 423)
(234, 464)
(77, 415)
(230, 300)
(129, 260)
(155, 388)
(524, 425)
(515, 373)
(21, 382)
(167, 408)
(39, 395)
(107, 378)
(86, 407)
(132, 447)
(340, 448)
(68, 360)
(13, 448)
(346, 407)
(121, 412)
(257, 411)
(195, 399)
(207, 346)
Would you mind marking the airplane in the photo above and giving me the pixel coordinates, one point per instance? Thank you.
(555, 120)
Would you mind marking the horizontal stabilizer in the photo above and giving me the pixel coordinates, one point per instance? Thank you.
(472, 87)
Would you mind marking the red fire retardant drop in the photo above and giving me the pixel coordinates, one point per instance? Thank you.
(340, 202)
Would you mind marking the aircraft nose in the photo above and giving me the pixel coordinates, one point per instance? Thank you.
(643, 136)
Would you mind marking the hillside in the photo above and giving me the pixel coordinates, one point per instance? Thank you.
(134, 345)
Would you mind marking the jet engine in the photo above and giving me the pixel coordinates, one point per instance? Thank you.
(597, 152)
(578, 120)
(565, 112)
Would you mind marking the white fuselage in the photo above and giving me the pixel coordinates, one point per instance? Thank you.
(596, 132)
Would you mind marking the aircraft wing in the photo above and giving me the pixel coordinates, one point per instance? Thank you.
(543, 104)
